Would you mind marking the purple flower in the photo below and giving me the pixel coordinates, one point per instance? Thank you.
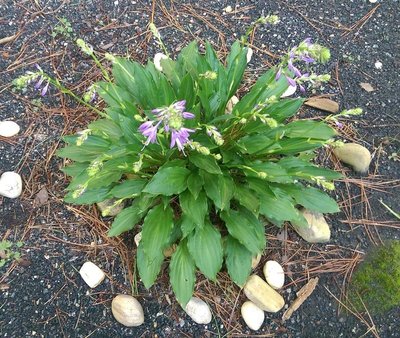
(188, 115)
(180, 137)
(339, 124)
(295, 70)
(278, 74)
(45, 89)
(39, 83)
(302, 89)
(291, 81)
(180, 105)
(307, 41)
(147, 129)
(307, 59)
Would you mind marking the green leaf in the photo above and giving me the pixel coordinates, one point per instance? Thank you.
(196, 209)
(311, 198)
(274, 172)
(128, 188)
(89, 196)
(238, 260)
(309, 129)
(182, 273)
(246, 228)
(219, 189)
(187, 225)
(125, 220)
(205, 162)
(106, 128)
(157, 227)
(195, 183)
(247, 197)
(206, 249)
(149, 268)
(168, 181)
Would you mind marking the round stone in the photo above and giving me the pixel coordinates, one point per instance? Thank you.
(198, 310)
(8, 128)
(274, 274)
(252, 315)
(10, 184)
(127, 310)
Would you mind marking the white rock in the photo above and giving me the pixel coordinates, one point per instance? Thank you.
(198, 310)
(228, 9)
(317, 231)
(8, 128)
(355, 155)
(290, 91)
(274, 274)
(378, 65)
(91, 274)
(252, 315)
(109, 208)
(138, 238)
(255, 260)
(127, 310)
(10, 184)
(231, 103)
(157, 60)
(373, 1)
(249, 54)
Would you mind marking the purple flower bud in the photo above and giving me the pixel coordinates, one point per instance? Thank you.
(180, 105)
(278, 74)
(307, 41)
(45, 89)
(302, 89)
(39, 83)
(188, 115)
(339, 124)
(291, 81)
(307, 59)
(145, 126)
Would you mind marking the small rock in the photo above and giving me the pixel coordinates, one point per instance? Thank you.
(249, 54)
(317, 231)
(198, 310)
(366, 86)
(355, 155)
(127, 310)
(373, 1)
(8, 128)
(255, 261)
(378, 65)
(252, 315)
(109, 207)
(261, 294)
(157, 60)
(274, 274)
(10, 184)
(91, 274)
(231, 103)
(323, 104)
(228, 9)
(138, 238)
(289, 91)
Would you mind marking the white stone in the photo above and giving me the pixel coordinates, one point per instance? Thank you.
(228, 9)
(378, 65)
(8, 128)
(138, 238)
(127, 310)
(274, 274)
(109, 208)
(249, 54)
(373, 1)
(198, 310)
(91, 274)
(10, 184)
(157, 60)
(355, 155)
(317, 230)
(252, 315)
(290, 91)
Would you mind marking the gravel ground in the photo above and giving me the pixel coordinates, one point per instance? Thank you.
(43, 295)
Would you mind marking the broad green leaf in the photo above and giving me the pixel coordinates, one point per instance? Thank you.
(283, 109)
(219, 189)
(273, 172)
(205, 162)
(89, 196)
(168, 181)
(157, 227)
(206, 249)
(196, 209)
(75, 169)
(106, 128)
(187, 225)
(238, 260)
(252, 144)
(182, 273)
(289, 146)
(246, 228)
(195, 183)
(247, 197)
(311, 198)
(309, 129)
(128, 188)
(125, 220)
(149, 268)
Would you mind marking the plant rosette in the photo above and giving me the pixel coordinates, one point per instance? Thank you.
(191, 174)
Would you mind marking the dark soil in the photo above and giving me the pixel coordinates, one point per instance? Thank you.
(43, 294)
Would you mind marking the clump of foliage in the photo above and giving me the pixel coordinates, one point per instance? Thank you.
(376, 282)
(195, 175)
(63, 28)
(9, 251)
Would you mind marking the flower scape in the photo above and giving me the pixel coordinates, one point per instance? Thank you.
(194, 175)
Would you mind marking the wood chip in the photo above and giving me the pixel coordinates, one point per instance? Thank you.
(8, 39)
(367, 86)
(302, 295)
(4, 286)
(41, 198)
(323, 104)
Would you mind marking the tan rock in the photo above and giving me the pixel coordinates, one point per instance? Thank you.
(274, 274)
(355, 155)
(262, 295)
(198, 310)
(92, 274)
(317, 231)
(252, 315)
(323, 104)
(127, 310)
